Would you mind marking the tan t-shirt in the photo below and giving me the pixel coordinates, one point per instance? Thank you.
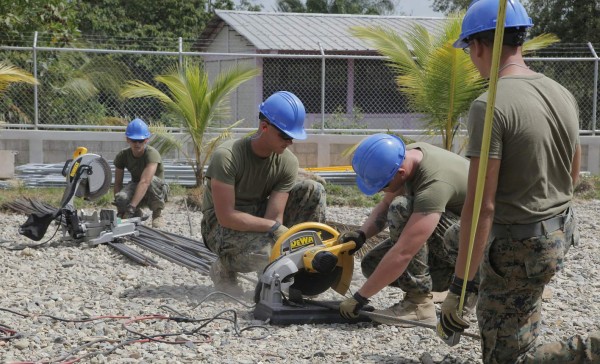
(440, 182)
(254, 178)
(535, 134)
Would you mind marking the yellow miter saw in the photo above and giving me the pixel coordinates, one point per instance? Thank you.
(87, 176)
(305, 261)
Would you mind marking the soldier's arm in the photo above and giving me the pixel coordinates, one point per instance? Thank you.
(418, 229)
(486, 217)
(144, 183)
(224, 203)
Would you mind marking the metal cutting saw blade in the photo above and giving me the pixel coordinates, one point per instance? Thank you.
(98, 182)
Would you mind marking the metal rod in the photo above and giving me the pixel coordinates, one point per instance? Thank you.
(373, 315)
(322, 88)
(36, 116)
(595, 96)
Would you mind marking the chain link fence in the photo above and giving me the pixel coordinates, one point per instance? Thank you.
(79, 88)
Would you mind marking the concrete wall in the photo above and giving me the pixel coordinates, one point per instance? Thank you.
(319, 150)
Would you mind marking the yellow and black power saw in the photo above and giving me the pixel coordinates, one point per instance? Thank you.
(87, 176)
(304, 262)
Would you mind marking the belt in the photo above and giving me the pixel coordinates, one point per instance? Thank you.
(525, 231)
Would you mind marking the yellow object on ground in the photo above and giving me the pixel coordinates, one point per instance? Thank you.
(330, 169)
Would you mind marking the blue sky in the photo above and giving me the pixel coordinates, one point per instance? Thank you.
(408, 7)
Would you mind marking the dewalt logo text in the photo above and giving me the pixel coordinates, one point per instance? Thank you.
(302, 242)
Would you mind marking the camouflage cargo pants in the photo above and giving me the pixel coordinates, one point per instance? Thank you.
(243, 251)
(432, 267)
(154, 199)
(509, 309)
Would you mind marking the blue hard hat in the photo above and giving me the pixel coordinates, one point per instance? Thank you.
(285, 111)
(481, 16)
(376, 161)
(137, 130)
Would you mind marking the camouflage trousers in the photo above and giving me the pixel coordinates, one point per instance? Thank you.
(431, 269)
(154, 199)
(509, 308)
(245, 251)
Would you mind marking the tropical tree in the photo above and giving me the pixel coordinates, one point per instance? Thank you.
(56, 20)
(193, 101)
(439, 80)
(370, 7)
(450, 6)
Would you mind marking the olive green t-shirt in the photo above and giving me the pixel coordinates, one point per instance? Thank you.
(253, 177)
(535, 133)
(440, 181)
(135, 166)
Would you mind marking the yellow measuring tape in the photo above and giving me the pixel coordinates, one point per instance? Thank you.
(485, 145)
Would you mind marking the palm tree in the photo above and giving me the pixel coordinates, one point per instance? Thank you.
(194, 102)
(10, 74)
(439, 81)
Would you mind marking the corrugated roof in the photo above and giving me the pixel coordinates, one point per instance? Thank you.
(303, 32)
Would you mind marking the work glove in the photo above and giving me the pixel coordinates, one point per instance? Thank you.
(451, 320)
(277, 230)
(129, 211)
(350, 307)
(357, 236)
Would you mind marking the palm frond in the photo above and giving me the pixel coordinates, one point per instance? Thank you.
(164, 141)
(11, 74)
(389, 44)
(81, 88)
(539, 42)
(135, 89)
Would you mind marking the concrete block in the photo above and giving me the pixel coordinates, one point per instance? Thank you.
(7, 164)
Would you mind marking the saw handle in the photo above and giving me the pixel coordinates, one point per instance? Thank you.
(315, 226)
(79, 152)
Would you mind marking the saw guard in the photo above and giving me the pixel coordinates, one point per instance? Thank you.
(338, 279)
(276, 251)
(87, 175)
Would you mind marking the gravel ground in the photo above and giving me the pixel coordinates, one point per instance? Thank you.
(74, 282)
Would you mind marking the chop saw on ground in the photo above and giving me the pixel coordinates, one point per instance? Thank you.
(304, 262)
(87, 176)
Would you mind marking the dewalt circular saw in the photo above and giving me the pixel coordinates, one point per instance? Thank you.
(305, 261)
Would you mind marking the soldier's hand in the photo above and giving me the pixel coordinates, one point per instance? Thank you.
(451, 320)
(277, 230)
(357, 236)
(129, 211)
(350, 307)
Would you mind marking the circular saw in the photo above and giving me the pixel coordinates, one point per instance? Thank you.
(305, 261)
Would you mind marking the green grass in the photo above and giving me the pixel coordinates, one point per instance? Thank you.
(349, 196)
(587, 188)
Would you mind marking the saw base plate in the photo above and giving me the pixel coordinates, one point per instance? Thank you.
(308, 313)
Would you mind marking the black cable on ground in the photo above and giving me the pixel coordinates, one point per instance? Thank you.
(141, 337)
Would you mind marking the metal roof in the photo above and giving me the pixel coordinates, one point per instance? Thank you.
(303, 31)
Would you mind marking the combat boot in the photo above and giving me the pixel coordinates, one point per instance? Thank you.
(224, 280)
(414, 307)
(157, 219)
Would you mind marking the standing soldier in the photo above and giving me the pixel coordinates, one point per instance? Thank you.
(526, 221)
